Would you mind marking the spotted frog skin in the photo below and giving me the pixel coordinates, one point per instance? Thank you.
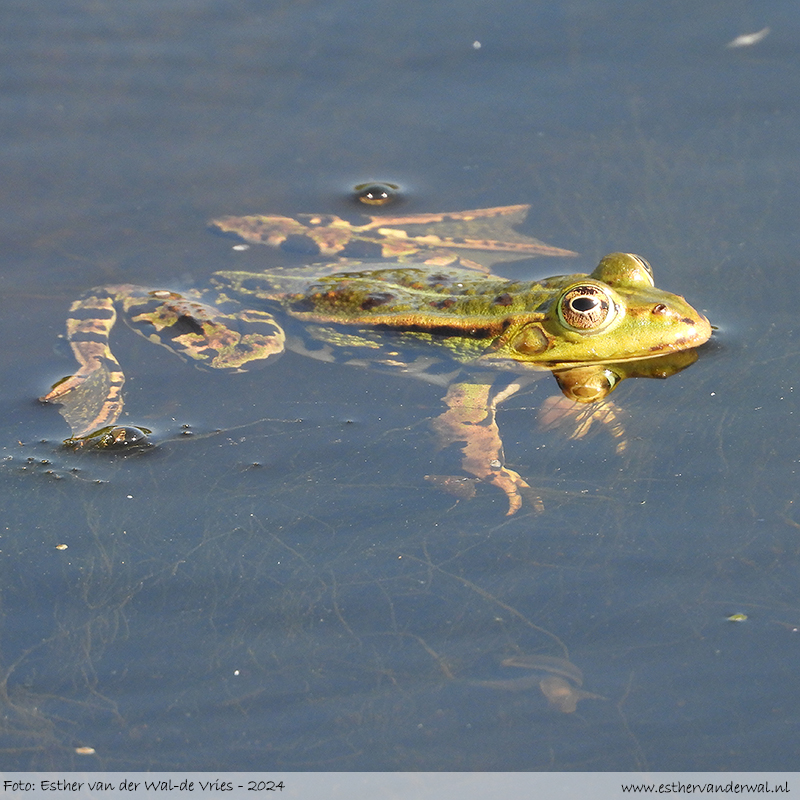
(410, 294)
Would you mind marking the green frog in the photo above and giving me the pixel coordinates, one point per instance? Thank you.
(410, 294)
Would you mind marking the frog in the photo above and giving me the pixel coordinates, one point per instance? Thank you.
(416, 295)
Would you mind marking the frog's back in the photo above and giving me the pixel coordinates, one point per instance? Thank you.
(376, 294)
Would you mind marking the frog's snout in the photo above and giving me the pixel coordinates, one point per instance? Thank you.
(697, 330)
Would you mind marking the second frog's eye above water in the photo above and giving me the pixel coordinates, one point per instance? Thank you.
(587, 307)
(377, 194)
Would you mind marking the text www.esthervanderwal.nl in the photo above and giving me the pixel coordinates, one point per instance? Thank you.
(730, 787)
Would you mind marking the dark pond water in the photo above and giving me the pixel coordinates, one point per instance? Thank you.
(282, 590)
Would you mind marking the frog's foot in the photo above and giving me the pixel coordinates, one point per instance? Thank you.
(484, 236)
(508, 481)
(470, 422)
(577, 419)
(91, 398)
(73, 383)
(202, 333)
(514, 486)
(122, 438)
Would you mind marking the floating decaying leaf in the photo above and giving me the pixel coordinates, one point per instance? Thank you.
(561, 686)
(737, 618)
(749, 39)
(563, 695)
(551, 664)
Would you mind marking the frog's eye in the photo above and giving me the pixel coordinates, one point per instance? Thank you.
(377, 194)
(645, 265)
(624, 269)
(586, 307)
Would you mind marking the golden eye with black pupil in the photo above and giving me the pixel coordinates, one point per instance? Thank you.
(585, 308)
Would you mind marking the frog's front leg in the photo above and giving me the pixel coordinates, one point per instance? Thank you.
(470, 418)
(577, 420)
(92, 397)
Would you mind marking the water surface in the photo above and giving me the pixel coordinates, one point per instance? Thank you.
(281, 589)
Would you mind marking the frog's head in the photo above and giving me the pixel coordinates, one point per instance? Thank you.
(614, 314)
